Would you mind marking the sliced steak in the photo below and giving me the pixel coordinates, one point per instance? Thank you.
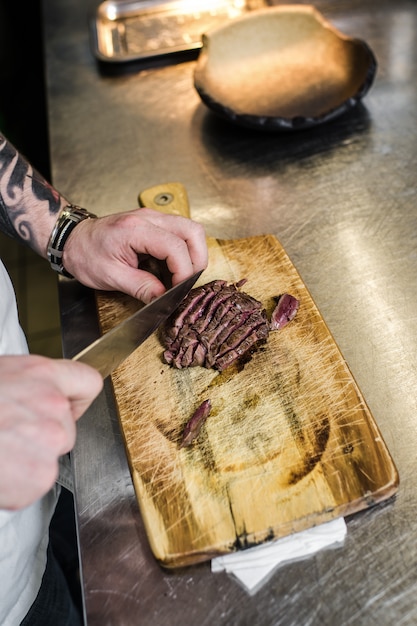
(215, 325)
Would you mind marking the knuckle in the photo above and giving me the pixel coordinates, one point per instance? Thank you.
(59, 435)
(199, 229)
(178, 247)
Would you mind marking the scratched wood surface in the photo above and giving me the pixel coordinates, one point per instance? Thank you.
(290, 441)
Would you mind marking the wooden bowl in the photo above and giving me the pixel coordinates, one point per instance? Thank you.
(282, 68)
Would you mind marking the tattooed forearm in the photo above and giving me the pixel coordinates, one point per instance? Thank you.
(21, 189)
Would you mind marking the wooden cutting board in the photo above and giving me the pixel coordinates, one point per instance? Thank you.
(290, 442)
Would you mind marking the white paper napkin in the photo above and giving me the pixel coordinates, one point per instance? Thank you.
(254, 566)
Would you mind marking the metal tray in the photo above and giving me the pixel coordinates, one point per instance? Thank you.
(127, 31)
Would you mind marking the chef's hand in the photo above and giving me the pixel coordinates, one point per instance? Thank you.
(103, 253)
(40, 401)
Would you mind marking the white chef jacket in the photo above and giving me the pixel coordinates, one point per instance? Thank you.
(24, 534)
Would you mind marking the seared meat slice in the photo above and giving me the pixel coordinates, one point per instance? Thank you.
(285, 311)
(194, 424)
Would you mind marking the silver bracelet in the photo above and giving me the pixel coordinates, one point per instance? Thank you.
(65, 224)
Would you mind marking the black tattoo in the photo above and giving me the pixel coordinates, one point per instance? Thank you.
(20, 187)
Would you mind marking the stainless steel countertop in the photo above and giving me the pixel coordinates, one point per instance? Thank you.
(342, 200)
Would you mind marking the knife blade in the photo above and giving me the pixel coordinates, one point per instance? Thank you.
(110, 350)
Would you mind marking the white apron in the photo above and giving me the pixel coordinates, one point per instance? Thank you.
(24, 533)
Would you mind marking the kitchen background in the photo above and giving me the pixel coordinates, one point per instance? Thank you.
(23, 121)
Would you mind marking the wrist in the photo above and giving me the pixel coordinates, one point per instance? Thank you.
(69, 218)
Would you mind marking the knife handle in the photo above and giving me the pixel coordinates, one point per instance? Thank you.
(168, 198)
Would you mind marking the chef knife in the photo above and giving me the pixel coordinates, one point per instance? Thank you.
(110, 350)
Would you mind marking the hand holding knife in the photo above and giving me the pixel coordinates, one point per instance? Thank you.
(109, 351)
